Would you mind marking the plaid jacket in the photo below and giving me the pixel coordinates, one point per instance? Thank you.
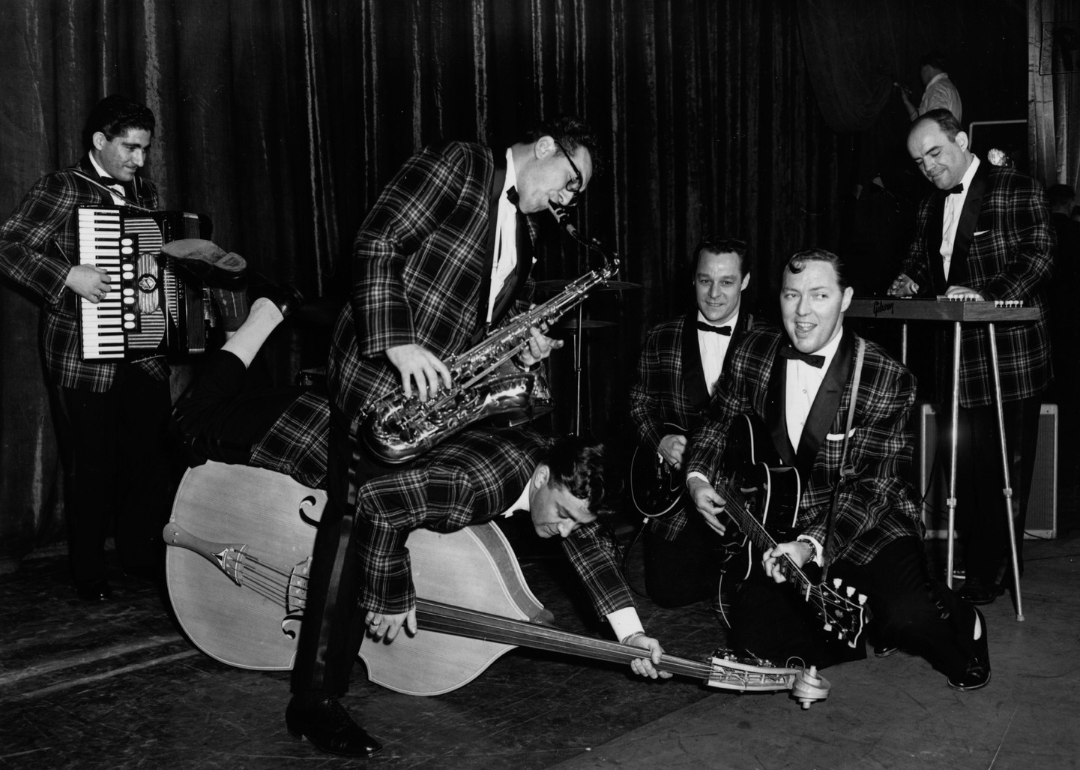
(418, 265)
(1003, 249)
(297, 443)
(878, 505)
(470, 479)
(38, 247)
(671, 388)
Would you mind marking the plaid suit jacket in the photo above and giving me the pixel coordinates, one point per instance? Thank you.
(671, 388)
(297, 444)
(1003, 249)
(418, 267)
(471, 479)
(38, 247)
(877, 506)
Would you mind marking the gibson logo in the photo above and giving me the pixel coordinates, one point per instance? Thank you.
(882, 307)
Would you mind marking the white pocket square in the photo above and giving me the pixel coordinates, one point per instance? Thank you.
(838, 436)
(980, 232)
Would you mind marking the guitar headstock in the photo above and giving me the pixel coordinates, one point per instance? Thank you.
(843, 609)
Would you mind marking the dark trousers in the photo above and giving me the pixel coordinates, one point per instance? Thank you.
(910, 610)
(687, 568)
(333, 625)
(221, 418)
(119, 473)
(981, 517)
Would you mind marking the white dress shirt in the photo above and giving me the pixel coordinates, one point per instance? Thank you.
(505, 237)
(713, 349)
(803, 383)
(954, 206)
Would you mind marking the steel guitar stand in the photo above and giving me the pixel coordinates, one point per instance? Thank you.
(959, 312)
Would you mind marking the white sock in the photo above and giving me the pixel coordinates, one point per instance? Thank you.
(978, 627)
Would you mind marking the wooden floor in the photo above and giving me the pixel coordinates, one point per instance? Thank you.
(116, 685)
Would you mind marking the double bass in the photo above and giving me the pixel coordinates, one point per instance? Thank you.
(241, 540)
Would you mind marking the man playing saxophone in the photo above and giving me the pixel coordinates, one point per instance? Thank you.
(441, 258)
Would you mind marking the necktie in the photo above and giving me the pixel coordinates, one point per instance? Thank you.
(703, 327)
(787, 351)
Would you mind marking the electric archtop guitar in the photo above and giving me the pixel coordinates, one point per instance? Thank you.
(763, 502)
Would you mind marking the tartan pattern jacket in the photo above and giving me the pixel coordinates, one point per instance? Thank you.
(1003, 249)
(418, 266)
(297, 444)
(38, 247)
(877, 506)
(471, 479)
(671, 388)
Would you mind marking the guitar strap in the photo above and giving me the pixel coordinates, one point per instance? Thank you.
(845, 473)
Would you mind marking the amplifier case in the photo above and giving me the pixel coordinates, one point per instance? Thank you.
(931, 474)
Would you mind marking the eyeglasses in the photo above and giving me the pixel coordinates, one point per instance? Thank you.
(575, 184)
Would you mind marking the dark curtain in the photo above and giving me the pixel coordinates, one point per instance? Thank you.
(282, 119)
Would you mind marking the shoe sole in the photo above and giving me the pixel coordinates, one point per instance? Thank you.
(969, 688)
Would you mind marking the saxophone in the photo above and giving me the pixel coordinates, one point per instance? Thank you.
(485, 382)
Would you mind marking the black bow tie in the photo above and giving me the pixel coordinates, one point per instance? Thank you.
(108, 181)
(512, 195)
(703, 327)
(787, 351)
(955, 190)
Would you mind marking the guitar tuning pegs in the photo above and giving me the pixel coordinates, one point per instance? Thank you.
(850, 591)
(837, 582)
(862, 598)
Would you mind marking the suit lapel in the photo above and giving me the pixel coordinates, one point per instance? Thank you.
(775, 408)
(933, 241)
(697, 390)
(965, 228)
(826, 403)
(497, 182)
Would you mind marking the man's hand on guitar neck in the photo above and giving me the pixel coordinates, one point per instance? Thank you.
(798, 551)
(671, 449)
(386, 624)
(647, 666)
(708, 502)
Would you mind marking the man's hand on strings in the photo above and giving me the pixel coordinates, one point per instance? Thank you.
(672, 447)
(387, 624)
(708, 502)
(799, 551)
(647, 666)
(420, 367)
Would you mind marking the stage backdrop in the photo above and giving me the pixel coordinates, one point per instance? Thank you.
(282, 119)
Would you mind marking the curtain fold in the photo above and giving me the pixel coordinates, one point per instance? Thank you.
(282, 119)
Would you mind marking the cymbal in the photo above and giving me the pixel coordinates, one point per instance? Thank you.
(586, 324)
(558, 284)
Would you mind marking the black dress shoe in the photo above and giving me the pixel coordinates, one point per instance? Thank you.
(286, 298)
(885, 650)
(977, 591)
(207, 262)
(977, 673)
(95, 591)
(329, 727)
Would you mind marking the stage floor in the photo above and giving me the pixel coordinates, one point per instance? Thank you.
(116, 685)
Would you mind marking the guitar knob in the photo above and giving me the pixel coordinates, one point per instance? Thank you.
(828, 627)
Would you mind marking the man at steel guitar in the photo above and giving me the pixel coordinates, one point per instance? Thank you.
(677, 374)
(863, 526)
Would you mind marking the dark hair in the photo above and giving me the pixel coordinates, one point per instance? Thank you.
(1060, 195)
(571, 132)
(114, 116)
(576, 464)
(935, 59)
(798, 261)
(945, 120)
(721, 246)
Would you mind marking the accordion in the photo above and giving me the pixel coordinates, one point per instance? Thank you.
(150, 310)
